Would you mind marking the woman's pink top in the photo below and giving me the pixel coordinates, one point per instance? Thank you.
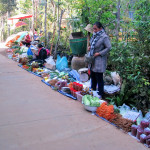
(46, 51)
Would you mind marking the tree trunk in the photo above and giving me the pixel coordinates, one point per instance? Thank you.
(2, 29)
(8, 25)
(118, 21)
(58, 14)
(33, 18)
(45, 25)
(54, 28)
(56, 46)
(36, 5)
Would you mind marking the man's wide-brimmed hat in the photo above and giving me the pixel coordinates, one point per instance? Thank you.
(89, 28)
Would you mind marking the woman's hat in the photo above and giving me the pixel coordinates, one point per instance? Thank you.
(89, 28)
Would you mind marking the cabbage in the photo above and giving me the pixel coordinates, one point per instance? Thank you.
(95, 103)
(86, 99)
(90, 101)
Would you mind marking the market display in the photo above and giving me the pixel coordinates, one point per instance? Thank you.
(67, 82)
(90, 101)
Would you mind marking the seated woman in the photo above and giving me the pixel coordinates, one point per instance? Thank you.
(27, 40)
(40, 47)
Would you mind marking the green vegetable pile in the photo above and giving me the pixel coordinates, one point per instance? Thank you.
(90, 101)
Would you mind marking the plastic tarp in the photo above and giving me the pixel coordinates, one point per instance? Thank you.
(75, 75)
(22, 36)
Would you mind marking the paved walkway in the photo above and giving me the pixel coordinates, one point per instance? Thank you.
(34, 117)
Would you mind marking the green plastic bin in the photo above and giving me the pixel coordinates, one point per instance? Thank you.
(78, 46)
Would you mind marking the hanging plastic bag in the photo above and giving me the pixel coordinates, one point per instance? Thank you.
(61, 63)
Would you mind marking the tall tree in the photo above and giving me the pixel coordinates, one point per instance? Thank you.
(45, 24)
(118, 21)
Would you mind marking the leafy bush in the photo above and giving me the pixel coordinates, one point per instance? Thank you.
(134, 68)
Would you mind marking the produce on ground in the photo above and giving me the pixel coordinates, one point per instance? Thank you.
(25, 67)
(60, 84)
(86, 91)
(34, 65)
(24, 61)
(122, 123)
(106, 111)
(90, 101)
(53, 82)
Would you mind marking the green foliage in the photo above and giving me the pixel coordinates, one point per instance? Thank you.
(89, 11)
(131, 59)
(6, 5)
(134, 68)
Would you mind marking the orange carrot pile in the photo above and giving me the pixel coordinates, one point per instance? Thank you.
(106, 111)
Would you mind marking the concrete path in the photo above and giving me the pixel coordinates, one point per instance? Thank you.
(34, 117)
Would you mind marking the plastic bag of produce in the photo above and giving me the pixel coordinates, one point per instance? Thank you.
(50, 63)
(58, 60)
(95, 94)
(144, 124)
(147, 116)
(134, 109)
(75, 75)
(123, 109)
(61, 63)
(140, 117)
(147, 131)
(50, 60)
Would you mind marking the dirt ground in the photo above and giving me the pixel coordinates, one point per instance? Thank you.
(34, 117)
